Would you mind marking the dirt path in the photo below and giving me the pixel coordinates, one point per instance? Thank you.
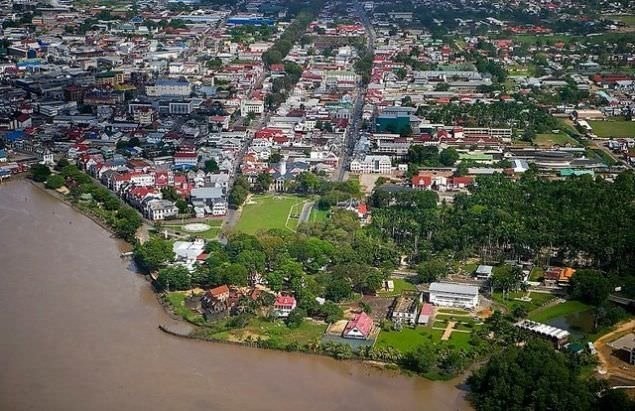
(448, 331)
(609, 365)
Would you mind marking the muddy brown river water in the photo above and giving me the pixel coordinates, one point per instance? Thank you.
(78, 331)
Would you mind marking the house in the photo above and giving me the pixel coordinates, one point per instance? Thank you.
(209, 199)
(216, 300)
(283, 305)
(454, 295)
(187, 252)
(558, 275)
(427, 311)
(625, 344)
(483, 272)
(157, 210)
(405, 308)
(359, 328)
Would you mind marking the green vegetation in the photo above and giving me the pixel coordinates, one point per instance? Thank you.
(272, 334)
(153, 254)
(515, 379)
(318, 215)
(408, 339)
(558, 310)
(176, 301)
(510, 300)
(613, 128)
(103, 204)
(550, 140)
(266, 212)
(401, 285)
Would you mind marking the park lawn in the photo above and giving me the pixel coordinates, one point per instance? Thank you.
(318, 215)
(176, 300)
(601, 155)
(408, 339)
(210, 234)
(400, 286)
(276, 332)
(558, 310)
(629, 20)
(537, 300)
(265, 212)
(550, 140)
(536, 274)
(616, 128)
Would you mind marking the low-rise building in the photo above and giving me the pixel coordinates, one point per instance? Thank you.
(283, 305)
(360, 327)
(454, 295)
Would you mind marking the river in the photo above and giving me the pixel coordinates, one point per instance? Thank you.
(78, 331)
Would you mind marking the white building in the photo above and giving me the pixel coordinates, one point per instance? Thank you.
(169, 87)
(454, 295)
(158, 210)
(371, 164)
(251, 106)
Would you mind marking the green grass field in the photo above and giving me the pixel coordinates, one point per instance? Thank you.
(408, 339)
(265, 212)
(608, 129)
(537, 300)
(176, 300)
(559, 310)
(276, 332)
(318, 215)
(400, 285)
(549, 140)
(629, 20)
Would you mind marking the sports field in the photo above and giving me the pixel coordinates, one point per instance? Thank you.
(608, 129)
(264, 212)
(550, 140)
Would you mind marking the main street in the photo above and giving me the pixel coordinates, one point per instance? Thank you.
(352, 132)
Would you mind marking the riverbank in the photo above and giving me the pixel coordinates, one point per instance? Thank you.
(61, 197)
(274, 337)
(80, 332)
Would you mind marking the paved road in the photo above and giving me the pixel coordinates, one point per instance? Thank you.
(306, 212)
(352, 132)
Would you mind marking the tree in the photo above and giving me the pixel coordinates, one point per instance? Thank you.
(338, 288)
(40, 172)
(182, 206)
(211, 166)
(174, 278)
(54, 181)
(448, 157)
(421, 360)
(532, 377)
(296, 318)
(275, 158)
(62, 163)
(263, 182)
(170, 193)
(237, 196)
(431, 270)
(507, 278)
(590, 286)
(152, 254)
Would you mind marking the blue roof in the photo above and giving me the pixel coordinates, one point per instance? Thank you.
(14, 135)
(3, 154)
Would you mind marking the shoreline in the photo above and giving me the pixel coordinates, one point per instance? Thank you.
(176, 318)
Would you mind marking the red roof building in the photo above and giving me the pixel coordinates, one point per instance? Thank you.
(359, 328)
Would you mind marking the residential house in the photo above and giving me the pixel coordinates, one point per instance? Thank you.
(427, 311)
(405, 308)
(359, 328)
(558, 275)
(283, 305)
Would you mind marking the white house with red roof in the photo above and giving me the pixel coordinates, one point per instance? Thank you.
(359, 328)
(283, 305)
